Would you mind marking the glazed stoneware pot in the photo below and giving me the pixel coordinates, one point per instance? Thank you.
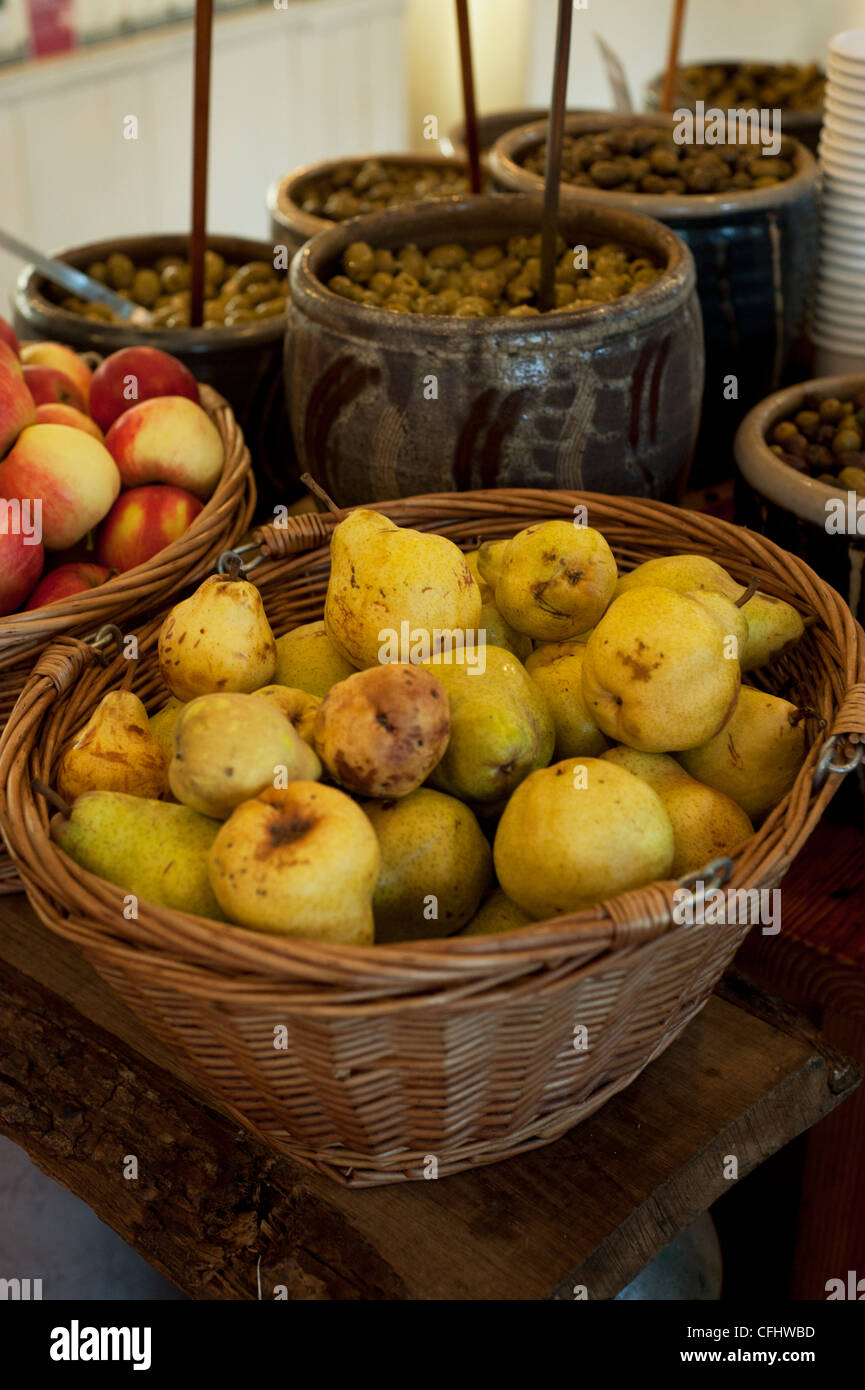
(755, 254)
(493, 126)
(292, 226)
(803, 125)
(792, 508)
(242, 363)
(605, 397)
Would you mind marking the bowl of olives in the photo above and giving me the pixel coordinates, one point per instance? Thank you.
(750, 220)
(419, 359)
(313, 198)
(238, 350)
(801, 457)
(797, 90)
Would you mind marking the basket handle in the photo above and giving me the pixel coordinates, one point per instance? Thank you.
(847, 738)
(65, 660)
(652, 911)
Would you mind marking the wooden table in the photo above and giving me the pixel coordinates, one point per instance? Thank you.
(83, 1085)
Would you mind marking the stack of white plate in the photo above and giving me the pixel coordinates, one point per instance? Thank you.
(838, 321)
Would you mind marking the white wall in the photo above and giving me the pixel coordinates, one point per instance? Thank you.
(289, 87)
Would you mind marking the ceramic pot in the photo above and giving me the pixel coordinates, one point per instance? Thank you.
(292, 226)
(802, 125)
(755, 254)
(243, 363)
(792, 508)
(605, 397)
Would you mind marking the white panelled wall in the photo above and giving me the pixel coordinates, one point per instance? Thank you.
(290, 86)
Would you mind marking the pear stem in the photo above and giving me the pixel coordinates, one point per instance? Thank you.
(748, 594)
(318, 491)
(51, 796)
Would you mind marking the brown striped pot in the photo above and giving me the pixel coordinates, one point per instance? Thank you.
(605, 397)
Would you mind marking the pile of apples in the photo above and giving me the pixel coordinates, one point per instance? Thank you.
(384, 775)
(100, 470)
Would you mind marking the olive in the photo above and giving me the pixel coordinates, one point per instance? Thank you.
(259, 294)
(97, 270)
(176, 277)
(214, 267)
(386, 261)
(381, 282)
(120, 271)
(808, 421)
(251, 273)
(847, 441)
(473, 307)
(412, 262)
(487, 257)
(447, 257)
(145, 288)
(358, 261)
(405, 284)
(272, 308)
(607, 173)
(240, 301)
(239, 316)
(831, 409)
(522, 311)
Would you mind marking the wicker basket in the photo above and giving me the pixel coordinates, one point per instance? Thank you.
(460, 1051)
(222, 521)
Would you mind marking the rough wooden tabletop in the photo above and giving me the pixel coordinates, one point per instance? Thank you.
(84, 1088)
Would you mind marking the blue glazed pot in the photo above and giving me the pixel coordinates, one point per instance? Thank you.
(755, 254)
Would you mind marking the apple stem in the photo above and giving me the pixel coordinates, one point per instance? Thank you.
(51, 796)
(318, 491)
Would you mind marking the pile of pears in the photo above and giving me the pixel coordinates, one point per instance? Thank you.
(602, 738)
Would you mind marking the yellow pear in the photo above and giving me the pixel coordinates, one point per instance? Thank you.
(557, 669)
(656, 674)
(162, 725)
(115, 751)
(498, 914)
(682, 573)
(435, 865)
(307, 660)
(387, 580)
(152, 849)
(578, 832)
(219, 639)
(489, 561)
(471, 557)
(298, 706)
(382, 731)
(228, 748)
(501, 729)
(499, 633)
(298, 861)
(706, 823)
(756, 758)
(734, 624)
(555, 580)
(773, 625)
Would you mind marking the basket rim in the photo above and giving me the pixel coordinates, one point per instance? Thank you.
(417, 966)
(53, 619)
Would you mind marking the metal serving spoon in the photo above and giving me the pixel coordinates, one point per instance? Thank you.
(59, 273)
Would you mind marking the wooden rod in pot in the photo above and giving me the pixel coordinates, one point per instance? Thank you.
(469, 106)
(668, 95)
(553, 172)
(200, 140)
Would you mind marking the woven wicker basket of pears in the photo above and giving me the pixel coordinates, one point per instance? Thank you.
(402, 900)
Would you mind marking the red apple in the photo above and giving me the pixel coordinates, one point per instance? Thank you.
(73, 476)
(65, 359)
(9, 337)
(49, 386)
(68, 415)
(167, 440)
(17, 409)
(142, 522)
(67, 580)
(20, 566)
(136, 374)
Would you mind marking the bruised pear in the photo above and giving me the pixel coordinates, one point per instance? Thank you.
(115, 751)
(381, 732)
(219, 639)
(658, 673)
(228, 748)
(555, 580)
(298, 861)
(385, 576)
